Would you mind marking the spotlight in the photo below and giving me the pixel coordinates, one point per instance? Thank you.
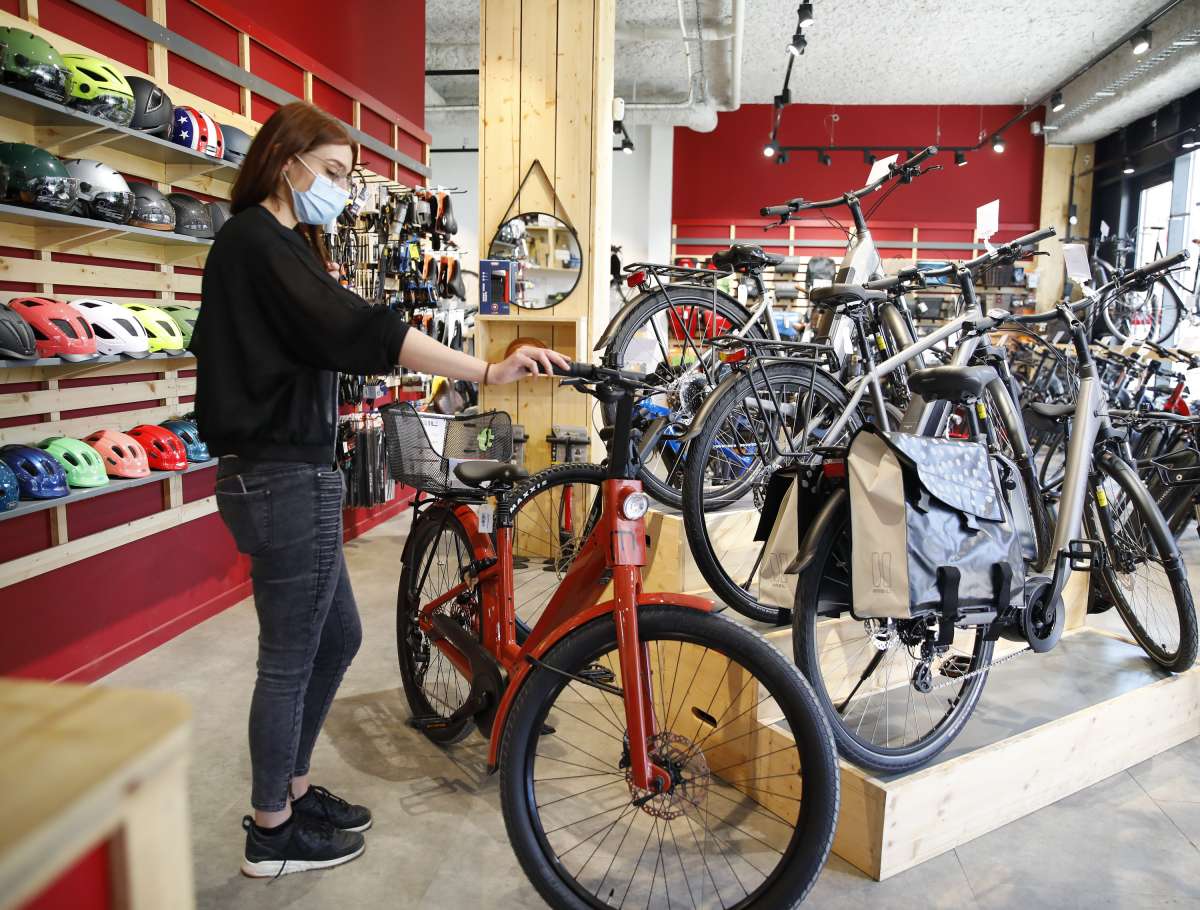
(823, 157)
(781, 158)
(997, 144)
(799, 43)
(1074, 218)
(770, 150)
(1127, 168)
(806, 15)
(1190, 139)
(1056, 102)
(1140, 42)
(627, 145)
(868, 157)
(960, 158)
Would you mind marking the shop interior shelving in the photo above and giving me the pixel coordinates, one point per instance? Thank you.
(75, 230)
(109, 358)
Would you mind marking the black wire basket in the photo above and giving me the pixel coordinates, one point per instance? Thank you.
(423, 448)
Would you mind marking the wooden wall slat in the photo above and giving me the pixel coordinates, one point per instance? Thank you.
(16, 404)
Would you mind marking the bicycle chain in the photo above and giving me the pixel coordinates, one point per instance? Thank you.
(993, 663)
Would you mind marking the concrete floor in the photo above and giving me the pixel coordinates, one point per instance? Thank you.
(1130, 841)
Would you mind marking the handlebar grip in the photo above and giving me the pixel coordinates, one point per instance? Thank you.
(775, 211)
(577, 370)
(920, 156)
(1034, 238)
(1153, 268)
(883, 284)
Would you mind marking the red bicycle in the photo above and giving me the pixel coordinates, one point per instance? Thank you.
(651, 752)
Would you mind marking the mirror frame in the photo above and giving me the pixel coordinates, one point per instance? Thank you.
(578, 244)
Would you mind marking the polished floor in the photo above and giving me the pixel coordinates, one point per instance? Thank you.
(1130, 841)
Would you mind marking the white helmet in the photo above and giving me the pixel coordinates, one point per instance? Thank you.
(117, 331)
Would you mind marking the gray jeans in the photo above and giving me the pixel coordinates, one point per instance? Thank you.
(287, 517)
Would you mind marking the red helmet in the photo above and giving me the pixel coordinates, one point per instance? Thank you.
(59, 329)
(122, 455)
(164, 450)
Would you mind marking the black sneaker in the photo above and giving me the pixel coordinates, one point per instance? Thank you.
(300, 844)
(319, 803)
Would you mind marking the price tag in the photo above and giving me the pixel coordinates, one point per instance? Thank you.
(880, 167)
(1193, 381)
(487, 518)
(1076, 258)
(987, 219)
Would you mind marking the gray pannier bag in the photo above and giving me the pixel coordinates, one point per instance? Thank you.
(930, 531)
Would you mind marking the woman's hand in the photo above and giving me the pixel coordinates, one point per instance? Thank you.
(526, 361)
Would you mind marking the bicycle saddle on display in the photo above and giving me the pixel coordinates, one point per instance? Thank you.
(841, 294)
(950, 382)
(744, 257)
(476, 473)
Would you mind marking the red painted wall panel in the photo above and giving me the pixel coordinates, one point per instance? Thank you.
(277, 70)
(85, 885)
(329, 99)
(199, 25)
(724, 176)
(200, 81)
(11, 6)
(65, 18)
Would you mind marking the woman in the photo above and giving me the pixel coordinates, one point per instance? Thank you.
(274, 331)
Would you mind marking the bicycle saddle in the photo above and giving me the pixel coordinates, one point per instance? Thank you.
(745, 257)
(1051, 411)
(476, 473)
(951, 383)
(840, 294)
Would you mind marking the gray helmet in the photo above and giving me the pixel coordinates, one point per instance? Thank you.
(151, 208)
(219, 211)
(103, 193)
(237, 143)
(192, 216)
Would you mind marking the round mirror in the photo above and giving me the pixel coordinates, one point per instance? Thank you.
(546, 250)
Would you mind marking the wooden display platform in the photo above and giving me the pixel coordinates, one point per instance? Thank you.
(671, 567)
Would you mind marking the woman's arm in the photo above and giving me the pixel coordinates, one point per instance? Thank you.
(423, 354)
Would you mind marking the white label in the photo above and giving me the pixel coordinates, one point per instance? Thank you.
(1104, 229)
(435, 429)
(487, 518)
(880, 167)
(1076, 257)
(1193, 382)
(987, 219)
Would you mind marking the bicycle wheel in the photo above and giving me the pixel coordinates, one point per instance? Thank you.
(664, 335)
(730, 463)
(865, 672)
(437, 552)
(554, 511)
(1142, 571)
(1138, 315)
(751, 817)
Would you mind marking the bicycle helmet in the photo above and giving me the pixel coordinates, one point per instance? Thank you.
(10, 493)
(192, 216)
(185, 318)
(164, 450)
(151, 208)
(219, 212)
(103, 193)
(16, 337)
(39, 476)
(152, 108)
(161, 329)
(117, 330)
(58, 330)
(189, 433)
(37, 178)
(98, 88)
(237, 143)
(79, 460)
(197, 131)
(123, 456)
(32, 65)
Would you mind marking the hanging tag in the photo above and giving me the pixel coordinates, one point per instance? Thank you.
(880, 168)
(1079, 267)
(987, 222)
(487, 518)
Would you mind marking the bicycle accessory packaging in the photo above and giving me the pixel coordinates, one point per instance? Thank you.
(96, 87)
(185, 318)
(117, 330)
(79, 461)
(123, 456)
(164, 450)
(192, 216)
(39, 475)
(161, 330)
(58, 330)
(237, 143)
(16, 336)
(37, 178)
(10, 493)
(930, 532)
(189, 433)
(152, 108)
(151, 209)
(32, 65)
(103, 193)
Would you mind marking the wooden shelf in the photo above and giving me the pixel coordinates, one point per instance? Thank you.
(108, 358)
(77, 231)
(114, 485)
(530, 316)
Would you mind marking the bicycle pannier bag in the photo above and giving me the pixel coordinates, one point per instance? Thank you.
(930, 531)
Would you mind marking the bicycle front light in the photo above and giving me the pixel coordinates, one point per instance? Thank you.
(635, 506)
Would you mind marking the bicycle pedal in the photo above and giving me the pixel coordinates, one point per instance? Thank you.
(428, 722)
(598, 674)
(956, 666)
(1085, 554)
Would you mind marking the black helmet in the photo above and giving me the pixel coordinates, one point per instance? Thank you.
(151, 208)
(151, 108)
(37, 178)
(103, 193)
(237, 143)
(16, 337)
(219, 211)
(191, 216)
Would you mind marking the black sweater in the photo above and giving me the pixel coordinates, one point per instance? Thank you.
(274, 331)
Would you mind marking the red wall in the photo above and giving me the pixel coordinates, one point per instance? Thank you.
(723, 175)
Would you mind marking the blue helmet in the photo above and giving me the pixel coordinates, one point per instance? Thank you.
(39, 475)
(9, 494)
(190, 434)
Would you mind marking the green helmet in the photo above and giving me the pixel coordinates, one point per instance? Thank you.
(35, 177)
(98, 88)
(32, 65)
(184, 317)
(81, 462)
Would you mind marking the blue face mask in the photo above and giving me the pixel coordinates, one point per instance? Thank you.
(321, 202)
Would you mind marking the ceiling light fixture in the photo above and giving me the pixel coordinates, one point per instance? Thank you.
(960, 158)
(997, 144)
(781, 158)
(1191, 139)
(1127, 169)
(805, 14)
(1056, 102)
(1140, 43)
(627, 145)
(796, 48)
(824, 158)
(770, 150)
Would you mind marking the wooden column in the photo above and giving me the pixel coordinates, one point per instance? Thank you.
(1057, 198)
(546, 85)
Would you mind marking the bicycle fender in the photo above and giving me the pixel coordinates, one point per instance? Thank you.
(470, 522)
(820, 526)
(600, 611)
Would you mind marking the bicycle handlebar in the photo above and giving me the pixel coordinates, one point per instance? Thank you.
(800, 205)
(1010, 250)
(1151, 269)
(589, 372)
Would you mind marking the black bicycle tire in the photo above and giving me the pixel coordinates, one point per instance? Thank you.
(813, 838)
(1166, 328)
(694, 503)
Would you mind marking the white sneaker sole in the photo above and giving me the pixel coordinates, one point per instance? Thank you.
(361, 828)
(275, 867)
